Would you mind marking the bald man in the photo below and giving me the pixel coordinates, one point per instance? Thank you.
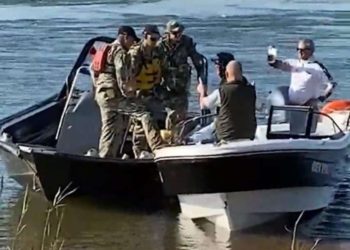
(236, 118)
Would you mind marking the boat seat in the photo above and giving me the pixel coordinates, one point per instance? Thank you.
(81, 126)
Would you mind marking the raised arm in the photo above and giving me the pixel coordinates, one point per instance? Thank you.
(283, 65)
(290, 65)
(211, 101)
(198, 60)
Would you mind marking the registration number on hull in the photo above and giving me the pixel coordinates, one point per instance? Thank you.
(319, 167)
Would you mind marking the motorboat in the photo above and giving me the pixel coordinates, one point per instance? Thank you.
(53, 145)
(292, 165)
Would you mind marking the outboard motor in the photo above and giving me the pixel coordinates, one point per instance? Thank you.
(279, 97)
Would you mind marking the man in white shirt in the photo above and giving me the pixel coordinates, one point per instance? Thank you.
(310, 82)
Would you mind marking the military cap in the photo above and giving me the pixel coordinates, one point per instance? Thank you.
(151, 29)
(223, 58)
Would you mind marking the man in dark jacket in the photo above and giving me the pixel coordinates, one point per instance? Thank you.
(236, 118)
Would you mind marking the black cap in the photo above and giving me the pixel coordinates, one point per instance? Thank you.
(223, 58)
(151, 29)
(128, 30)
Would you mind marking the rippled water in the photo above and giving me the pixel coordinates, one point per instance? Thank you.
(40, 41)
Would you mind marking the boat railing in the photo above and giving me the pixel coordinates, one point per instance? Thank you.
(81, 66)
(85, 70)
(303, 122)
(193, 122)
(80, 61)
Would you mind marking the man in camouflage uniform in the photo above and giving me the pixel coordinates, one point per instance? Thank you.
(146, 67)
(111, 87)
(176, 48)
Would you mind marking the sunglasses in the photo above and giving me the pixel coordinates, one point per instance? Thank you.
(176, 33)
(302, 49)
(154, 38)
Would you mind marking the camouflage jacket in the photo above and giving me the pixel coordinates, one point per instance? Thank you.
(177, 55)
(117, 73)
(138, 57)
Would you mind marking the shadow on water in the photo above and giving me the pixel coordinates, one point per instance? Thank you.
(274, 235)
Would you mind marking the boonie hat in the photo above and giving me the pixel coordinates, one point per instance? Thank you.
(174, 26)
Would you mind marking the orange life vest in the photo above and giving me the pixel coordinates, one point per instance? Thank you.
(100, 59)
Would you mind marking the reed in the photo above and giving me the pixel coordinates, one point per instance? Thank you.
(294, 245)
(21, 226)
(58, 207)
(51, 236)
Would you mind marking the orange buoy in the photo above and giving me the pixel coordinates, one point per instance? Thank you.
(336, 105)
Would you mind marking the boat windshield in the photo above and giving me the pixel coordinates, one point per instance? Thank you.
(305, 122)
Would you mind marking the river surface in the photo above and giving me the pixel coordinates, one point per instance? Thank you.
(39, 44)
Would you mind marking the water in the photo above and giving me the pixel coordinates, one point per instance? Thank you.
(40, 41)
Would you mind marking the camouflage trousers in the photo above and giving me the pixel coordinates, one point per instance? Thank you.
(177, 106)
(114, 124)
(176, 97)
(145, 132)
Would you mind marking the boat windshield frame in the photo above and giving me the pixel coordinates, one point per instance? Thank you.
(311, 112)
(86, 50)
